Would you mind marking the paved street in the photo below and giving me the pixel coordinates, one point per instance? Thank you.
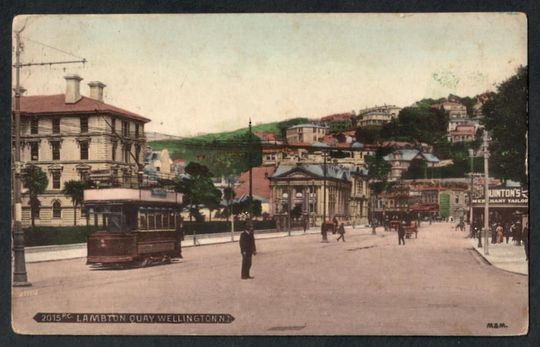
(434, 285)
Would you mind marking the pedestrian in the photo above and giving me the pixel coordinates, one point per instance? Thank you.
(494, 233)
(401, 233)
(499, 231)
(518, 233)
(341, 232)
(335, 222)
(386, 223)
(506, 232)
(525, 238)
(247, 249)
(179, 235)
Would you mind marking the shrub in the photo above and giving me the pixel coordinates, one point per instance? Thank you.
(43, 236)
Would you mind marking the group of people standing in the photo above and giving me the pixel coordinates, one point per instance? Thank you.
(501, 232)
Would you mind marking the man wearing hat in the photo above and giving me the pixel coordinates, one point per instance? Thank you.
(247, 249)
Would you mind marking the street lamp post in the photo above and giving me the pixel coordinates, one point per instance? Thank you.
(20, 278)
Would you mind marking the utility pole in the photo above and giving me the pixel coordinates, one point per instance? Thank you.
(486, 191)
(471, 227)
(250, 175)
(324, 236)
(20, 277)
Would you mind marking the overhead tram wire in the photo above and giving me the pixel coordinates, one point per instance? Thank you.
(54, 48)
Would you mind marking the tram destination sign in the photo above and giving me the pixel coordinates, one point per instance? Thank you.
(506, 196)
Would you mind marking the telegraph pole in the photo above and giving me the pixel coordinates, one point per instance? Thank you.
(20, 277)
(486, 191)
(471, 156)
(250, 175)
(324, 236)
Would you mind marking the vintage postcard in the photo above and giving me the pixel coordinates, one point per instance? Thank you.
(270, 174)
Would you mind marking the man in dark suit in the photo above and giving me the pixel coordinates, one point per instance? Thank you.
(247, 248)
(401, 233)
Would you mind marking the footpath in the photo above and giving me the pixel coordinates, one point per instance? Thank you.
(78, 250)
(505, 256)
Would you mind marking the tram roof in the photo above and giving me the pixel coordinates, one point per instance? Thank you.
(147, 197)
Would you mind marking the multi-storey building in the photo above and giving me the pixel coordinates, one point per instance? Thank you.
(306, 133)
(401, 159)
(377, 115)
(462, 133)
(73, 137)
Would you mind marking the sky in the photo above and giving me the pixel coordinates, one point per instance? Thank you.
(205, 73)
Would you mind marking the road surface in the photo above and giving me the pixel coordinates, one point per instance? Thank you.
(368, 285)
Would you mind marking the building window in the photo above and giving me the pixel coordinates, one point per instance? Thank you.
(137, 130)
(34, 126)
(84, 124)
(56, 126)
(84, 150)
(137, 151)
(34, 151)
(114, 148)
(57, 209)
(84, 174)
(55, 150)
(113, 125)
(125, 128)
(56, 179)
(127, 154)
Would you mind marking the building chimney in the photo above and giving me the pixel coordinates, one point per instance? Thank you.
(96, 90)
(73, 90)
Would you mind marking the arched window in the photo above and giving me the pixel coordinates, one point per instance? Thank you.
(57, 209)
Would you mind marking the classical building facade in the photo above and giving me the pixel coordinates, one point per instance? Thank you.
(303, 185)
(73, 137)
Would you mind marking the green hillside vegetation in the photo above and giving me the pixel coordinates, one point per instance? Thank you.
(226, 153)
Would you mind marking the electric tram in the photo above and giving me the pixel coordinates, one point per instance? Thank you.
(140, 226)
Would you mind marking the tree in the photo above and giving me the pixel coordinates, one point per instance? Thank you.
(75, 190)
(378, 170)
(368, 134)
(228, 195)
(339, 126)
(417, 124)
(198, 189)
(35, 180)
(242, 206)
(506, 118)
(417, 169)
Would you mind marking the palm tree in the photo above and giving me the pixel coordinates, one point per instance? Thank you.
(75, 190)
(35, 180)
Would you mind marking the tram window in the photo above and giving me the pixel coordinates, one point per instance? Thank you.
(171, 219)
(142, 221)
(114, 222)
(165, 220)
(151, 221)
(158, 220)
